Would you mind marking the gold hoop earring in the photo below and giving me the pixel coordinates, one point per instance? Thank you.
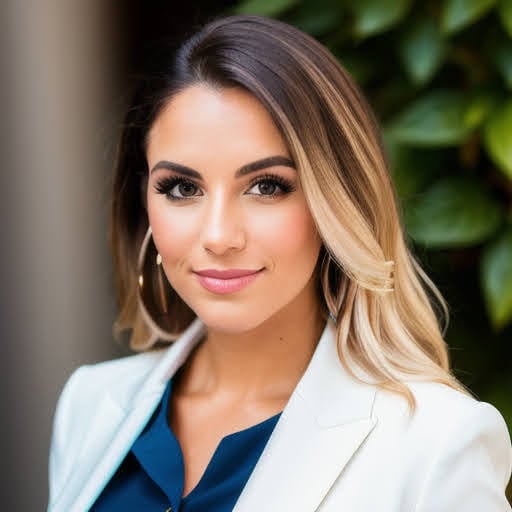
(153, 290)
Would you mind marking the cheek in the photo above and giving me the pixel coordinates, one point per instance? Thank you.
(288, 233)
(173, 234)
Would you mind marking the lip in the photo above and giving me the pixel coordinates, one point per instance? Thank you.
(229, 273)
(226, 281)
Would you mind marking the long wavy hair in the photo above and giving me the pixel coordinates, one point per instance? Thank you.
(390, 317)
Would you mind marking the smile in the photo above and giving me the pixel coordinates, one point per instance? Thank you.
(226, 281)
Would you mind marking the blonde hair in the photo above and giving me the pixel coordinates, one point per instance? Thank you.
(383, 302)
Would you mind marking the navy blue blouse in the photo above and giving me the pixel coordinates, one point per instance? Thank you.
(151, 477)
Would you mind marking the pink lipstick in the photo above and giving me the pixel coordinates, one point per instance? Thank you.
(226, 281)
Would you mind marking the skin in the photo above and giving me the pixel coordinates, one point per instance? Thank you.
(261, 338)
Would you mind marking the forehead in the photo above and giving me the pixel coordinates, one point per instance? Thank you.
(205, 123)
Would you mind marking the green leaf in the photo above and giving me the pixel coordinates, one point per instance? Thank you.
(457, 14)
(505, 12)
(442, 118)
(422, 50)
(496, 276)
(501, 55)
(264, 7)
(454, 212)
(360, 68)
(413, 169)
(375, 16)
(317, 17)
(498, 137)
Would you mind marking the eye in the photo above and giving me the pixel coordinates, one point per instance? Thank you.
(266, 187)
(270, 185)
(177, 188)
(185, 189)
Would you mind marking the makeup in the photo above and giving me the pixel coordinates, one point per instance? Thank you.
(226, 281)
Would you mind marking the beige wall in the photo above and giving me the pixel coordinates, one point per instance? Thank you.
(58, 126)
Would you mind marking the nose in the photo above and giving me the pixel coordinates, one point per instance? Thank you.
(222, 229)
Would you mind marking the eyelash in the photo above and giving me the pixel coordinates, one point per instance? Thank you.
(165, 185)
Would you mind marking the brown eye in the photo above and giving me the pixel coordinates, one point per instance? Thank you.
(186, 189)
(267, 187)
(270, 186)
(176, 188)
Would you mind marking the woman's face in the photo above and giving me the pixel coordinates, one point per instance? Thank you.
(228, 214)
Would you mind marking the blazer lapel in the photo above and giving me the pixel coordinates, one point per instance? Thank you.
(325, 421)
(116, 426)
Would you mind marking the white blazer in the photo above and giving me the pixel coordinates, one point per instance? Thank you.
(339, 445)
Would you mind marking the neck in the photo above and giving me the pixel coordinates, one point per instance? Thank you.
(264, 363)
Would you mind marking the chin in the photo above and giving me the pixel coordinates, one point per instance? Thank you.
(231, 320)
(231, 325)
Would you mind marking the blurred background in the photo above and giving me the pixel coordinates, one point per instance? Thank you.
(439, 76)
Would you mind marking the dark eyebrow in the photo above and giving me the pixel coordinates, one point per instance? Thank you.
(180, 169)
(271, 161)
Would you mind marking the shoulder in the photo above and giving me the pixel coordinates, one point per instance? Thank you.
(453, 440)
(440, 411)
(120, 377)
(80, 398)
(434, 401)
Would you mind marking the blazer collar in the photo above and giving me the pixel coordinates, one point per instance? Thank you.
(117, 423)
(326, 419)
(332, 395)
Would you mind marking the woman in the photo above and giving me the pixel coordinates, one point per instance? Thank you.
(254, 223)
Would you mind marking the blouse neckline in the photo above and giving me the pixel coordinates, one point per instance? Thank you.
(158, 433)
